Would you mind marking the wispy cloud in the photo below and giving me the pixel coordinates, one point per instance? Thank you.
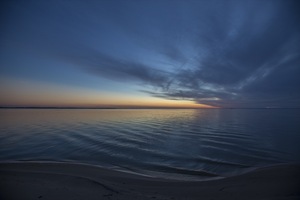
(224, 53)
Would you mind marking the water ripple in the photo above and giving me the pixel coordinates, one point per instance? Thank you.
(185, 143)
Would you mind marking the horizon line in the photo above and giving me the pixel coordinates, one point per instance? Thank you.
(135, 107)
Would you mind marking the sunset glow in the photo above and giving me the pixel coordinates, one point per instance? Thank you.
(30, 93)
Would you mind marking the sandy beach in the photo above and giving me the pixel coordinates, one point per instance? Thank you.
(79, 181)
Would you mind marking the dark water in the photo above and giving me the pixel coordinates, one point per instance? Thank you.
(166, 143)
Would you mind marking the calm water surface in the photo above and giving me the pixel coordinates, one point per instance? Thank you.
(169, 143)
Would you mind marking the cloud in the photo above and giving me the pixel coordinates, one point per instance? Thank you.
(237, 55)
(224, 53)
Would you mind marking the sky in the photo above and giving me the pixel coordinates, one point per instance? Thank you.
(145, 53)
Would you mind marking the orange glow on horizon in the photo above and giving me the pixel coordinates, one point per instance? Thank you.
(36, 94)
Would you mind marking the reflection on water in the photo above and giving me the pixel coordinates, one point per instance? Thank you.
(162, 142)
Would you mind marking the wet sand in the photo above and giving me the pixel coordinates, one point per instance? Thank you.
(33, 180)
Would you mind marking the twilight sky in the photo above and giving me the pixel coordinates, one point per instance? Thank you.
(150, 53)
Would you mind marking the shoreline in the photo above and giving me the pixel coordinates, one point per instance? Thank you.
(197, 175)
(55, 180)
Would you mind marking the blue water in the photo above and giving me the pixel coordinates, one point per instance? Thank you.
(180, 144)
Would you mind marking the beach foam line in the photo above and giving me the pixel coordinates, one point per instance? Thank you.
(53, 180)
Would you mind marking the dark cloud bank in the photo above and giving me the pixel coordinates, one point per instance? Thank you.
(221, 53)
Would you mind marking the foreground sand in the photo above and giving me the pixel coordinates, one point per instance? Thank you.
(77, 181)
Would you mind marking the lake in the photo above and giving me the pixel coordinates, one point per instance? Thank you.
(170, 143)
